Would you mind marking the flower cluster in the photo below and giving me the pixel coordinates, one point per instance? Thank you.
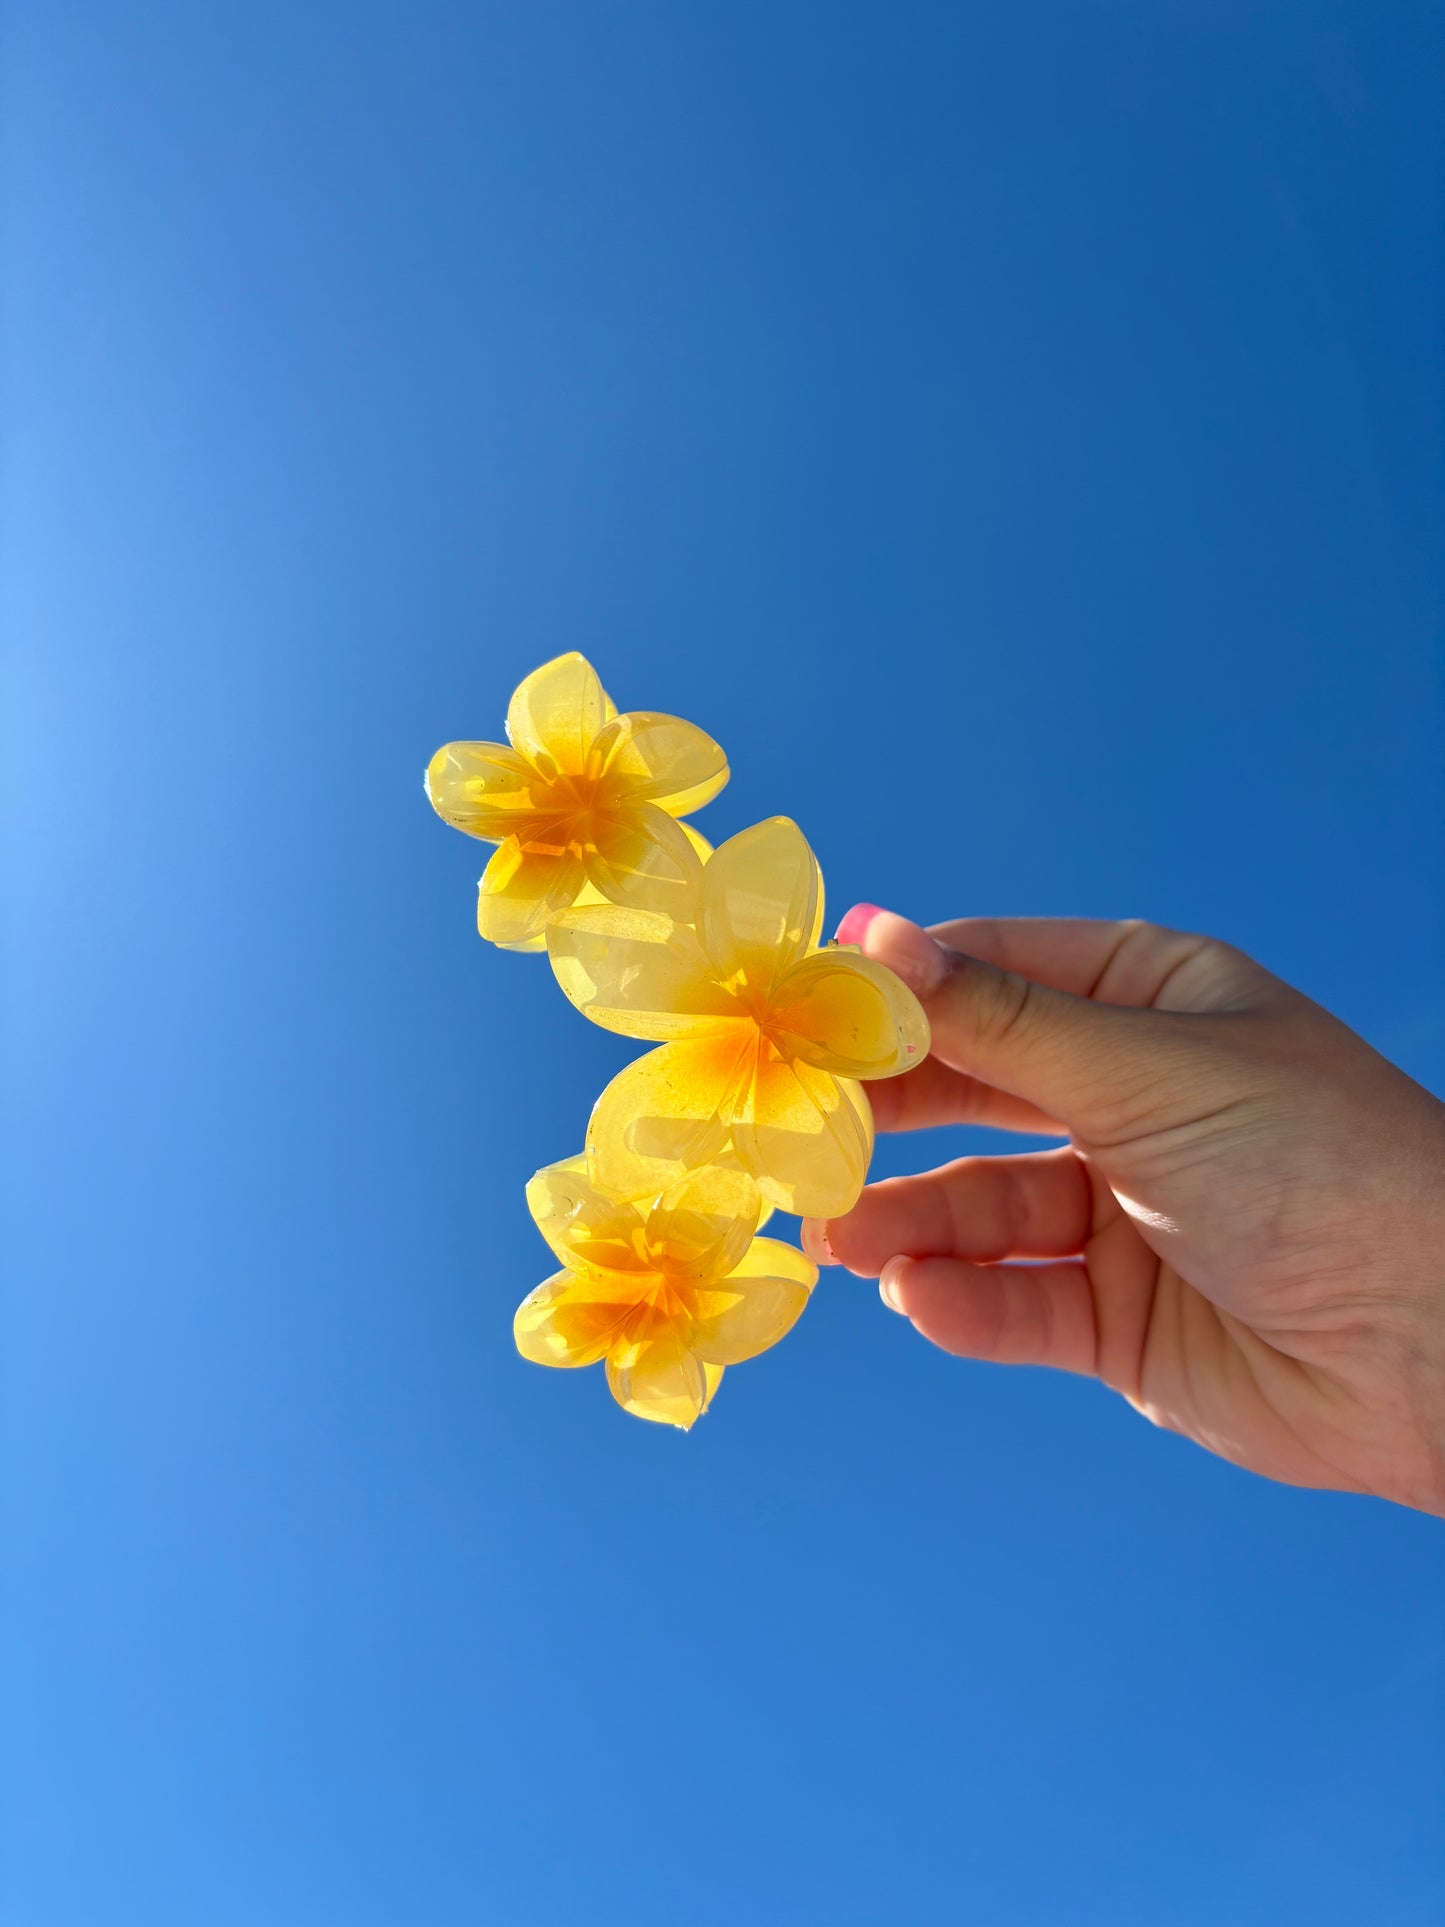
(753, 1098)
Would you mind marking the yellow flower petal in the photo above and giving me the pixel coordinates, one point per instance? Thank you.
(555, 714)
(762, 902)
(712, 1378)
(774, 1258)
(480, 788)
(587, 895)
(643, 859)
(522, 890)
(728, 1160)
(637, 973)
(702, 1228)
(665, 1115)
(582, 1224)
(755, 1306)
(663, 760)
(806, 1136)
(847, 1014)
(572, 1319)
(658, 1379)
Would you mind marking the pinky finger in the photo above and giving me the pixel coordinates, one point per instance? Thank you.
(1006, 1314)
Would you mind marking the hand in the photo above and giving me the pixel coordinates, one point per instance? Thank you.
(1245, 1234)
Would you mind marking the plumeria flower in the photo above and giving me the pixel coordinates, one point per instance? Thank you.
(764, 1035)
(667, 1291)
(584, 804)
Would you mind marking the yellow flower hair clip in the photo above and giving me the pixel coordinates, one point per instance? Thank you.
(764, 1035)
(754, 1097)
(583, 800)
(667, 1291)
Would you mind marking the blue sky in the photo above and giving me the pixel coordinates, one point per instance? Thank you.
(1015, 433)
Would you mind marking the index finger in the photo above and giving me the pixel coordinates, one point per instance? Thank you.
(1139, 965)
(1117, 961)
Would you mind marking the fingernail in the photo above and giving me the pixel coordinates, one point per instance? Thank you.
(815, 1241)
(854, 926)
(888, 1283)
(909, 952)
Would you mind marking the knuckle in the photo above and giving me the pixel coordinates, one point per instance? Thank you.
(1142, 961)
(984, 1207)
(1004, 1006)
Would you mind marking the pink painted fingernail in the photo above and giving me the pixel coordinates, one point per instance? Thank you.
(815, 1242)
(854, 926)
(910, 953)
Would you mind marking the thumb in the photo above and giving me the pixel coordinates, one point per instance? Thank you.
(1095, 1067)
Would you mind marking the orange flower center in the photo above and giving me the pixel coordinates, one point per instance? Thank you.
(755, 1040)
(570, 813)
(753, 990)
(664, 1305)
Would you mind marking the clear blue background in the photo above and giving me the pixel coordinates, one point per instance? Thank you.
(1015, 432)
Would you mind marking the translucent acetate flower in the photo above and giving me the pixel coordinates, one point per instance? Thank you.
(667, 1291)
(584, 805)
(764, 1035)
